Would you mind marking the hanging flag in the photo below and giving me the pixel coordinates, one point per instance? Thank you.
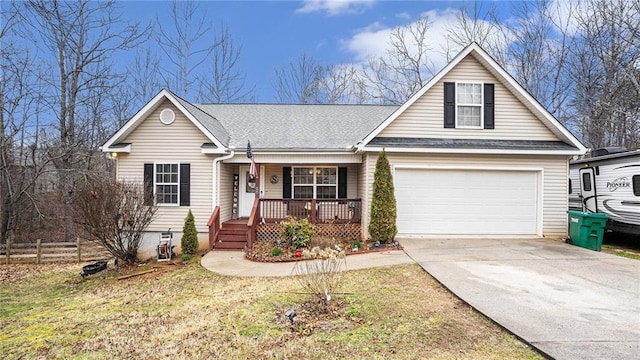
(253, 169)
(249, 153)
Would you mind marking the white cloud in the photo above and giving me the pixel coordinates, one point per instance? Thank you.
(403, 15)
(565, 15)
(335, 7)
(374, 40)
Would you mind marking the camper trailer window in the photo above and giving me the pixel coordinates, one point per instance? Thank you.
(586, 181)
(636, 185)
(570, 187)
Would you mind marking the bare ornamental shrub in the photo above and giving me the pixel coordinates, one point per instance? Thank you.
(320, 276)
(114, 215)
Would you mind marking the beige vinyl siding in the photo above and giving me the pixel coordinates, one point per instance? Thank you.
(554, 179)
(425, 117)
(179, 142)
(272, 191)
(225, 190)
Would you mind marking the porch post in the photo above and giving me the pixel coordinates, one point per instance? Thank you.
(314, 211)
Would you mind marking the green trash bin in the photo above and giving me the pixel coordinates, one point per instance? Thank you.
(587, 229)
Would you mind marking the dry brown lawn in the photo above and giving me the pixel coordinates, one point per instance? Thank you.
(49, 311)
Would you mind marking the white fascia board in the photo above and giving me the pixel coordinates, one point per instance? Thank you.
(473, 47)
(215, 151)
(197, 123)
(472, 151)
(531, 100)
(417, 95)
(298, 158)
(128, 127)
(119, 149)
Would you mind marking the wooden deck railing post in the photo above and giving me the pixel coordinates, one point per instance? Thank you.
(8, 250)
(38, 251)
(79, 251)
(314, 211)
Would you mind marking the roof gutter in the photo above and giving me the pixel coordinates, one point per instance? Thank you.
(214, 186)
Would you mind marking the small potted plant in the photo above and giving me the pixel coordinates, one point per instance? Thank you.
(356, 246)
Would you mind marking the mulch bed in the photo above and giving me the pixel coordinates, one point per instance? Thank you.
(261, 251)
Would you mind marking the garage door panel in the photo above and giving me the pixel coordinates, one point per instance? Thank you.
(466, 201)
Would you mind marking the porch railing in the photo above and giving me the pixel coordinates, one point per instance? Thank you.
(316, 210)
(252, 223)
(214, 227)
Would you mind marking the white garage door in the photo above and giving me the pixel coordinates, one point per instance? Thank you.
(466, 202)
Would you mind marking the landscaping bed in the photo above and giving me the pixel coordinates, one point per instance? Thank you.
(262, 251)
(298, 239)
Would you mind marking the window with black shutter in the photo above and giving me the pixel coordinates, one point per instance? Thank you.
(469, 105)
(167, 184)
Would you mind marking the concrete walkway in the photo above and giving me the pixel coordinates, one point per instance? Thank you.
(569, 302)
(233, 263)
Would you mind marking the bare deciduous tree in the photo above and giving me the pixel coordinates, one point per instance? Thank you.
(20, 160)
(475, 25)
(299, 82)
(606, 71)
(405, 68)
(82, 37)
(224, 83)
(179, 42)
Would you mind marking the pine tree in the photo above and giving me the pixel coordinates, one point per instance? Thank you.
(382, 224)
(189, 241)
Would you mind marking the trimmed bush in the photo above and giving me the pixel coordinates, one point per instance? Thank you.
(298, 233)
(382, 224)
(189, 241)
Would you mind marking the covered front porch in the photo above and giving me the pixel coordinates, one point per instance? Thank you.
(328, 194)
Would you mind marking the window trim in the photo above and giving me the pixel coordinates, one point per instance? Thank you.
(480, 106)
(635, 189)
(155, 184)
(315, 183)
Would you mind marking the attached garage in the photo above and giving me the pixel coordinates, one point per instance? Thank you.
(468, 201)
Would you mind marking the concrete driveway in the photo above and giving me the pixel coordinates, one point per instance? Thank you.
(569, 302)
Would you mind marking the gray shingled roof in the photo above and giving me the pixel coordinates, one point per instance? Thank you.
(207, 120)
(297, 127)
(469, 143)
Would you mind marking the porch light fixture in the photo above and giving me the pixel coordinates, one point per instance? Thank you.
(114, 155)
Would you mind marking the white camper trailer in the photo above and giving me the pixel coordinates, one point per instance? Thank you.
(609, 183)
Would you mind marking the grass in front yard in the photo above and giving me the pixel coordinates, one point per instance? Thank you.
(48, 311)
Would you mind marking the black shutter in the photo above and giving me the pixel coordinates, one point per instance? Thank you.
(449, 105)
(185, 184)
(489, 107)
(148, 184)
(342, 183)
(286, 182)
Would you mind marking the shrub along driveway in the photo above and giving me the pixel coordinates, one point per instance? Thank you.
(568, 302)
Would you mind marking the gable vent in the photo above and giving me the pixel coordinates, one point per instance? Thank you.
(167, 116)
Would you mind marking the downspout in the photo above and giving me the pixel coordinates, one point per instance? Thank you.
(214, 190)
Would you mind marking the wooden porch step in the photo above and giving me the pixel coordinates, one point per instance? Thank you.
(234, 227)
(229, 246)
(233, 235)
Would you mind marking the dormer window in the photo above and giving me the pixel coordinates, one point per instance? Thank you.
(469, 105)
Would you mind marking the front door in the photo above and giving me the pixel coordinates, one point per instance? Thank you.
(248, 191)
(588, 189)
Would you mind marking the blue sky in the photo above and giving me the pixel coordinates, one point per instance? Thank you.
(274, 33)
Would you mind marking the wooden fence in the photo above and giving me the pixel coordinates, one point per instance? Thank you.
(45, 252)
